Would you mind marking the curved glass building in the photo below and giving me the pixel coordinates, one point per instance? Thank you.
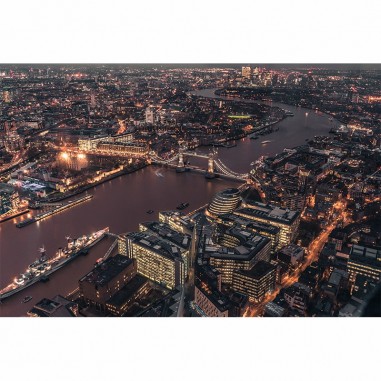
(224, 202)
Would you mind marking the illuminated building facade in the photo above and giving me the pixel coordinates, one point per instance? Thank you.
(180, 240)
(238, 250)
(9, 200)
(364, 261)
(257, 282)
(266, 230)
(224, 202)
(150, 115)
(106, 279)
(136, 149)
(246, 72)
(286, 220)
(124, 299)
(291, 256)
(177, 221)
(157, 259)
(89, 144)
(297, 297)
(212, 302)
(209, 276)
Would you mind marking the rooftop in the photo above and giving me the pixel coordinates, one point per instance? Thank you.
(249, 244)
(220, 300)
(107, 270)
(157, 244)
(366, 253)
(247, 223)
(269, 212)
(166, 232)
(259, 270)
(133, 286)
(56, 307)
(291, 250)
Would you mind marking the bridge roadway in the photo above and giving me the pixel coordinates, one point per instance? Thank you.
(195, 154)
(200, 170)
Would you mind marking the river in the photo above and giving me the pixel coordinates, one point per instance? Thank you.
(293, 131)
(123, 202)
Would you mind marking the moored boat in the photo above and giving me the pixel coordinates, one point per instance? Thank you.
(42, 267)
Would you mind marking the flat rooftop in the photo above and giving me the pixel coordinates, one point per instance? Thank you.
(128, 291)
(165, 231)
(268, 212)
(218, 299)
(179, 217)
(365, 254)
(250, 244)
(156, 244)
(259, 270)
(107, 270)
(249, 224)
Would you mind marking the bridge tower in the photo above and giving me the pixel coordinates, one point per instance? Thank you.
(181, 159)
(210, 172)
(211, 164)
(181, 165)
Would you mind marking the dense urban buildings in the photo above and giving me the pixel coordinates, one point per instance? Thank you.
(221, 190)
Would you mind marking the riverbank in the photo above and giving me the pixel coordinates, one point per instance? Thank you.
(92, 185)
(17, 214)
(217, 92)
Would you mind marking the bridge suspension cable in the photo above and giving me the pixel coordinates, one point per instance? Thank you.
(227, 171)
(162, 161)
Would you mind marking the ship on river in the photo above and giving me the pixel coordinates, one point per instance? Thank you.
(43, 266)
(57, 209)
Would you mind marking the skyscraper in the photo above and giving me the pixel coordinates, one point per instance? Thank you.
(246, 72)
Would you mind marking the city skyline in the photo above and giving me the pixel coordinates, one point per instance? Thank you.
(190, 159)
(257, 140)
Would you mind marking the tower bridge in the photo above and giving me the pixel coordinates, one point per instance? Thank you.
(215, 165)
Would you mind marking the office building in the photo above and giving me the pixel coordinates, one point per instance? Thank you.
(287, 220)
(106, 279)
(261, 228)
(55, 307)
(257, 282)
(157, 259)
(291, 256)
(9, 200)
(224, 202)
(123, 300)
(237, 250)
(246, 72)
(177, 221)
(180, 240)
(91, 144)
(212, 302)
(150, 115)
(131, 148)
(364, 261)
(297, 297)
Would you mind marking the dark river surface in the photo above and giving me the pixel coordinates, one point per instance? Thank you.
(123, 202)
